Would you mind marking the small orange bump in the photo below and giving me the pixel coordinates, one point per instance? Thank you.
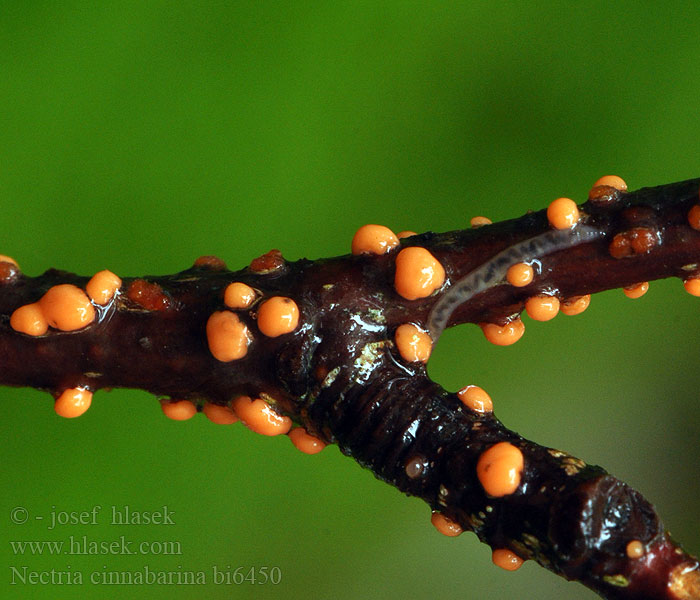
(67, 307)
(29, 319)
(613, 181)
(520, 275)
(8, 259)
(221, 415)
(414, 344)
(268, 262)
(178, 410)
(476, 399)
(444, 525)
(405, 234)
(503, 335)
(277, 316)
(73, 402)
(504, 558)
(499, 469)
(238, 295)
(575, 305)
(479, 221)
(305, 442)
(542, 308)
(635, 549)
(148, 295)
(227, 336)
(693, 217)
(260, 417)
(374, 239)
(636, 291)
(210, 262)
(418, 273)
(102, 287)
(692, 286)
(563, 213)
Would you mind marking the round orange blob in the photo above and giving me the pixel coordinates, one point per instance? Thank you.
(238, 295)
(227, 336)
(405, 234)
(374, 239)
(613, 181)
(414, 344)
(73, 402)
(520, 275)
(260, 417)
(635, 549)
(479, 221)
(562, 213)
(504, 558)
(636, 291)
(102, 287)
(499, 469)
(305, 442)
(67, 307)
(475, 398)
(693, 217)
(444, 525)
(575, 305)
(8, 259)
(221, 415)
(692, 286)
(277, 316)
(542, 308)
(29, 319)
(418, 273)
(503, 335)
(178, 410)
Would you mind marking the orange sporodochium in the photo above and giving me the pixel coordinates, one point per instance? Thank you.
(268, 262)
(562, 213)
(613, 181)
(102, 287)
(413, 344)
(148, 295)
(221, 415)
(692, 286)
(29, 319)
(73, 402)
(178, 410)
(305, 442)
(405, 234)
(444, 525)
(504, 558)
(210, 262)
(520, 274)
(67, 307)
(374, 239)
(277, 316)
(635, 549)
(260, 417)
(238, 295)
(475, 398)
(542, 308)
(636, 291)
(575, 305)
(503, 335)
(418, 273)
(499, 469)
(693, 217)
(480, 221)
(227, 336)
(8, 259)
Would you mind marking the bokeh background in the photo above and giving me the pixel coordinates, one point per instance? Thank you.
(136, 136)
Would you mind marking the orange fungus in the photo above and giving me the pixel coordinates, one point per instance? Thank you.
(479, 221)
(221, 415)
(503, 335)
(102, 287)
(414, 344)
(374, 239)
(305, 442)
(260, 417)
(444, 525)
(418, 273)
(542, 308)
(613, 181)
(562, 213)
(178, 410)
(405, 234)
(227, 336)
(8, 259)
(499, 469)
(238, 295)
(520, 275)
(504, 558)
(636, 291)
(693, 217)
(29, 319)
(277, 316)
(692, 286)
(73, 402)
(476, 399)
(67, 307)
(575, 305)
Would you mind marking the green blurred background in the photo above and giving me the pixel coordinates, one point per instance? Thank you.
(136, 136)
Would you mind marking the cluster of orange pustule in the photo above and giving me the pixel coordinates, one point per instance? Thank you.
(66, 307)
